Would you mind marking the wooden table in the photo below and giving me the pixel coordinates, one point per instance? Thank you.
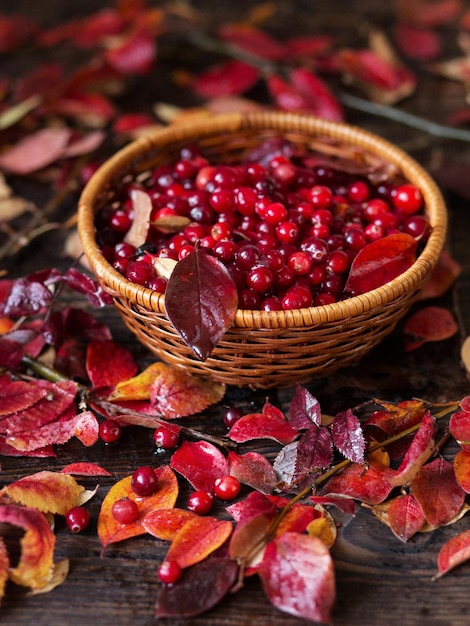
(379, 579)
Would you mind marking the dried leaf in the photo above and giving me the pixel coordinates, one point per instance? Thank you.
(142, 205)
(380, 261)
(453, 553)
(405, 517)
(46, 491)
(432, 323)
(252, 469)
(176, 393)
(35, 566)
(201, 463)
(110, 531)
(437, 491)
(200, 588)
(197, 539)
(201, 300)
(298, 578)
(347, 436)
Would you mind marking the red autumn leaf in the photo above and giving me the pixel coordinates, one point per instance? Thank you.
(197, 539)
(248, 541)
(85, 144)
(225, 79)
(48, 492)
(309, 46)
(175, 392)
(110, 531)
(108, 363)
(423, 44)
(133, 55)
(298, 577)
(304, 409)
(438, 492)
(252, 469)
(317, 94)
(7, 450)
(201, 300)
(431, 323)
(36, 150)
(4, 567)
(87, 428)
(297, 519)
(348, 437)
(35, 565)
(27, 297)
(417, 454)
(462, 469)
(255, 504)
(347, 505)
(442, 277)
(201, 463)
(60, 397)
(405, 517)
(199, 589)
(14, 30)
(369, 484)
(11, 353)
(253, 40)
(88, 286)
(57, 431)
(465, 404)
(379, 262)
(94, 28)
(84, 468)
(165, 524)
(429, 14)
(88, 109)
(453, 553)
(262, 426)
(17, 395)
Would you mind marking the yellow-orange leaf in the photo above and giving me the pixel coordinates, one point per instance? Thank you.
(59, 573)
(4, 565)
(35, 566)
(166, 523)
(111, 531)
(138, 387)
(177, 393)
(198, 538)
(324, 528)
(49, 492)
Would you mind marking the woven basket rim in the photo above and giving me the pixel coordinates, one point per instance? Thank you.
(118, 286)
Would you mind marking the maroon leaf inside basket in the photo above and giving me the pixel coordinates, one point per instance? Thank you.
(201, 301)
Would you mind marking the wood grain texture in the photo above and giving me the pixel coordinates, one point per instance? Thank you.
(380, 581)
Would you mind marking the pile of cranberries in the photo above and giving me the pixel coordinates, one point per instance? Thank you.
(286, 230)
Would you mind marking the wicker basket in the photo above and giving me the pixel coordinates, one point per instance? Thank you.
(263, 349)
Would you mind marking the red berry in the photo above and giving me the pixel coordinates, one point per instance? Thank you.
(321, 196)
(77, 519)
(167, 436)
(144, 481)
(358, 191)
(110, 431)
(125, 511)
(227, 487)
(408, 199)
(200, 502)
(287, 232)
(260, 279)
(169, 572)
(232, 415)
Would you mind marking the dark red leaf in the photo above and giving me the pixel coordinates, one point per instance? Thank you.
(304, 409)
(27, 297)
(11, 353)
(200, 588)
(347, 505)
(317, 95)
(418, 453)
(348, 437)
(17, 395)
(226, 79)
(262, 426)
(369, 484)
(423, 44)
(201, 301)
(432, 323)
(380, 261)
(253, 469)
(298, 577)
(437, 491)
(87, 286)
(14, 30)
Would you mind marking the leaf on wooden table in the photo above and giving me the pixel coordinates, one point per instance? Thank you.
(165, 524)
(453, 553)
(270, 424)
(304, 409)
(36, 150)
(197, 539)
(49, 492)
(252, 469)
(84, 468)
(200, 588)
(369, 484)
(432, 323)
(462, 469)
(109, 363)
(459, 428)
(201, 463)
(298, 577)
(348, 437)
(443, 276)
(405, 517)
(227, 78)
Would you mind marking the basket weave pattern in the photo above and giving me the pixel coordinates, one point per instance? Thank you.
(263, 349)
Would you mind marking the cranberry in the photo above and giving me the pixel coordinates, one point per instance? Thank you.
(200, 502)
(167, 436)
(232, 415)
(275, 213)
(77, 519)
(110, 431)
(287, 232)
(144, 481)
(358, 191)
(260, 279)
(416, 225)
(227, 488)
(139, 272)
(169, 572)
(125, 511)
(247, 256)
(300, 262)
(321, 196)
(408, 199)
(271, 303)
